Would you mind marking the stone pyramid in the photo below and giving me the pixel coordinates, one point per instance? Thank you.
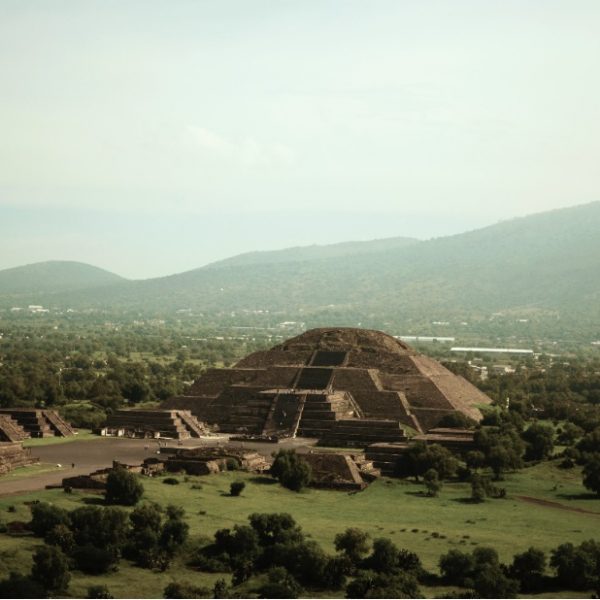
(337, 384)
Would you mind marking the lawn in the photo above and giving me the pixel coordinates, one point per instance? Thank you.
(83, 435)
(388, 508)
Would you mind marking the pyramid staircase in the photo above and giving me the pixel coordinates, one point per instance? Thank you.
(10, 430)
(191, 423)
(58, 424)
(32, 420)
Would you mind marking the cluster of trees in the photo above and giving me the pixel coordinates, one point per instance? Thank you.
(92, 539)
(574, 567)
(274, 544)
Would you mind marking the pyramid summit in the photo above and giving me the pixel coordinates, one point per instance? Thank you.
(332, 384)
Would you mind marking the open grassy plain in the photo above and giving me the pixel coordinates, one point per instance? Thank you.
(545, 506)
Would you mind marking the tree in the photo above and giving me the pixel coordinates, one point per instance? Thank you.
(45, 516)
(540, 441)
(280, 584)
(591, 473)
(275, 528)
(491, 582)
(123, 487)
(354, 543)
(528, 568)
(291, 470)
(60, 535)
(236, 488)
(577, 567)
(51, 569)
(477, 488)
(93, 560)
(420, 457)
(369, 584)
(432, 482)
(21, 586)
(455, 566)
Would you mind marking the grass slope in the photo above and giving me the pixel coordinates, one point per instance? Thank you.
(388, 508)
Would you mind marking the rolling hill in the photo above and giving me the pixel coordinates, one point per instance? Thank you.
(52, 277)
(545, 262)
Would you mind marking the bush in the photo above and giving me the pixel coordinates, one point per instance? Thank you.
(20, 586)
(381, 585)
(354, 543)
(528, 568)
(432, 482)
(171, 481)
(51, 569)
(94, 561)
(99, 592)
(491, 582)
(123, 487)
(291, 470)
(280, 584)
(45, 517)
(236, 488)
(232, 464)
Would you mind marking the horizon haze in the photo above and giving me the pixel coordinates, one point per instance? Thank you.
(155, 138)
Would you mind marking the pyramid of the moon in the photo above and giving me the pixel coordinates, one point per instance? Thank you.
(333, 384)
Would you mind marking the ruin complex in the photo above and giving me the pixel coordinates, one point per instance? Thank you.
(175, 424)
(34, 422)
(346, 387)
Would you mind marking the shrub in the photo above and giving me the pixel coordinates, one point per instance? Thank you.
(280, 584)
(123, 487)
(591, 473)
(291, 470)
(354, 543)
(432, 482)
(98, 592)
(185, 590)
(51, 569)
(232, 464)
(528, 568)
(381, 585)
(171, 481)
(236, 488)
(44, 517)
(21, 586)
(94, 561)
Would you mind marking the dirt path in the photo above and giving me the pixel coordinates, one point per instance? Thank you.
(551, 504)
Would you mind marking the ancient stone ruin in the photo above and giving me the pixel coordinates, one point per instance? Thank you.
(346, 387)
(340, 471)
(35, 422)
(175, 424)
(205, 460)
(13, 455)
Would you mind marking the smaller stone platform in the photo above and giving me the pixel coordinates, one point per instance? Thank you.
(175, 424)
(39, 422)
(13, 455)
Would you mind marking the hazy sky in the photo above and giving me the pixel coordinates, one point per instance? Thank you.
(154, 136)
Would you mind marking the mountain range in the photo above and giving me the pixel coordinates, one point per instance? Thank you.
(548, 262)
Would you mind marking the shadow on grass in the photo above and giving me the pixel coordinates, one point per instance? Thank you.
(420, 494)
(263, 480)
(582, 496)
(94, 500)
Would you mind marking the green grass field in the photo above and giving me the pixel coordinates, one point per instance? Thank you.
(83, 435)
(388, 508)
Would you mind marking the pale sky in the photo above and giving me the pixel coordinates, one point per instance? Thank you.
(153, 136)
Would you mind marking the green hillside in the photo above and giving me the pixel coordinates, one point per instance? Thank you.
(548, 263)
(53, 276)
(316, 252)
